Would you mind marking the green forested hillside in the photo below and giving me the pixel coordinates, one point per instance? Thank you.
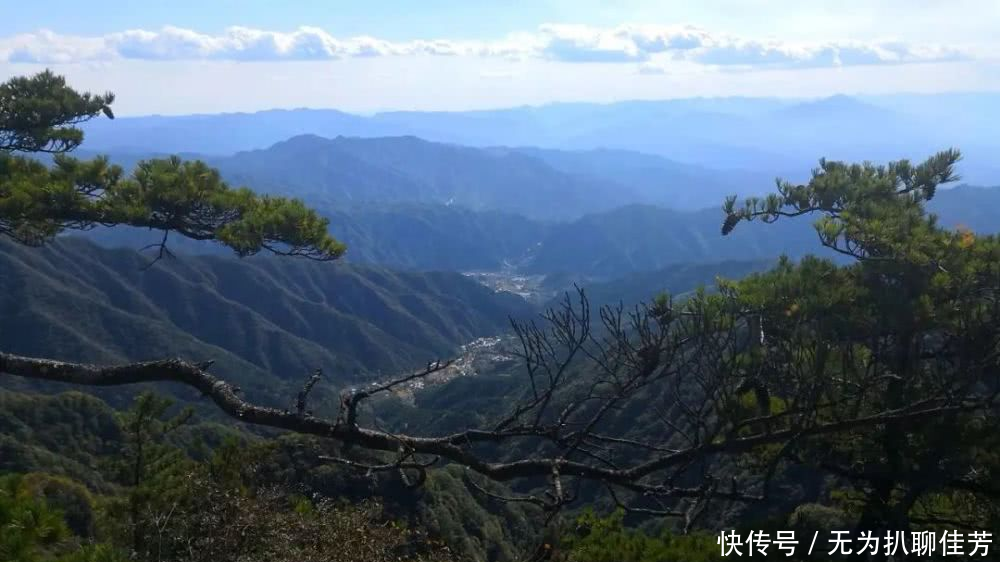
(643, 287)
(642, 238)
(72, 437)
(426, 237)
(63, 434)
(261, 321)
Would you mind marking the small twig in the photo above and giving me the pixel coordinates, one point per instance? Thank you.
(164, 251)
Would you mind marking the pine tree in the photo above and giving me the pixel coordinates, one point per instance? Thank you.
(40, 114)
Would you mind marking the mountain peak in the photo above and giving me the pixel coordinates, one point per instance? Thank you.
(835, 105)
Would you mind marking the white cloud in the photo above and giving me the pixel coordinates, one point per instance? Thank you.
(577, 43)
(654, 47)
(774, 53)
(46, 47)
(651, 44)
(246, 44)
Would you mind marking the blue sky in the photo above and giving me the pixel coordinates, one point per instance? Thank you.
(216, 55)
(385, 19)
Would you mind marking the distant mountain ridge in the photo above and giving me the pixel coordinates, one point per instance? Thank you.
(714, 132)
(543, 184)
(409, 203)
(409, 169)
(604, 245)
(655, 179)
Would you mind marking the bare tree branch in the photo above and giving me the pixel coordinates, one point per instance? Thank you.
(689, 369)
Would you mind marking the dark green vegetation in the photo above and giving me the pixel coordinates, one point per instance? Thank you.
(857, 393)
(678, 280)
(265, 322)
(156, 481)
(38, 114)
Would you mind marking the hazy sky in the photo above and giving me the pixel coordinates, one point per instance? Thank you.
(184, 56)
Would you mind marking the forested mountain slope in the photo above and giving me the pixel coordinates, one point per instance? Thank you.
(602, 245)
(643, 237)
(263, 321)
(675, 280)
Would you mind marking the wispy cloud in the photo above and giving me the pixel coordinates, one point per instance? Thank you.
(652, 46)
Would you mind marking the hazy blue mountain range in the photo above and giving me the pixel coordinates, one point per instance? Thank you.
(394, 169)
(408, 203)
(654, 179)
(599, 246)
(542, 184)
(643, 238)
(603, 245)
(715, 132)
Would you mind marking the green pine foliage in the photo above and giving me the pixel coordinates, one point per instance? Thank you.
(40, 114)
(49, 519)
(607, 539)
(29, 528)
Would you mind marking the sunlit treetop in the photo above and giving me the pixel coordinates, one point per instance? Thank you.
(867, 211)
